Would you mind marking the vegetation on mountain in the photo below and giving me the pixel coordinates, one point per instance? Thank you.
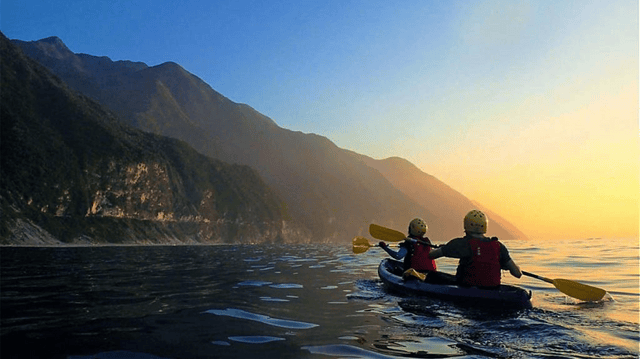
(329, 193)
(325, 191)
(72, 169)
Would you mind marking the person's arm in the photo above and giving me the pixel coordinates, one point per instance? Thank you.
(435, 253)
(508, 263)
(514, 269)
(455, 248)
(402, 251)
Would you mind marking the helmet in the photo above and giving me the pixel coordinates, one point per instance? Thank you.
(475, 222)
(417, 227)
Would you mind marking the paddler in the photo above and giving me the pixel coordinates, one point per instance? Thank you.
(481, 257)
(414, 249)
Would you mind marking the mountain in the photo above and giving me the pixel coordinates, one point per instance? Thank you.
(331, 193)
(72, 172)
(428, 190)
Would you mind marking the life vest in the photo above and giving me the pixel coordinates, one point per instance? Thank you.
(418, 255)
(484, 268)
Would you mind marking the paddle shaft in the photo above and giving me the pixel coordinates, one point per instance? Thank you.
(538, 277)
(391, 235)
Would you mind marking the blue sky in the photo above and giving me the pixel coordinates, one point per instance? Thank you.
(502, 90)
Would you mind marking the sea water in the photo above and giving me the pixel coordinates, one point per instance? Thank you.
(301, 301)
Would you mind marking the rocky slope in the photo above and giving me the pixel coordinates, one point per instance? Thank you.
(327, 191)
(72, 172)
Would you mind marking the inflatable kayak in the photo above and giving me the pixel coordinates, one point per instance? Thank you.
(442, 286)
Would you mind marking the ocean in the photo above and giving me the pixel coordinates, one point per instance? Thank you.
(301, 301)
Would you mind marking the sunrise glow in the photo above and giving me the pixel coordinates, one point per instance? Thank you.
(529, 108)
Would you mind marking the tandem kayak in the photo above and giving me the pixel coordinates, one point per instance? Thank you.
(504, 297)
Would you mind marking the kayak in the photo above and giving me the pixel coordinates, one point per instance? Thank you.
(443, 286)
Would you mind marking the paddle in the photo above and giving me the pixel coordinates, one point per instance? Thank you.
(573, 289)
(386, 234)
(391, 235)
(361, 245)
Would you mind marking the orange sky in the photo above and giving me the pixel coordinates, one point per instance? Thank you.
(529, 108)
(565, 174)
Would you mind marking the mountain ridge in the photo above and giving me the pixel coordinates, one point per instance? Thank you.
(425, 188)
(332, 193)
(71, 172)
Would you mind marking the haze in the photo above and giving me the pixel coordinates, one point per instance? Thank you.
(529, 108)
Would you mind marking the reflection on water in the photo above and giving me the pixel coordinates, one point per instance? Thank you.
(119, 354)
(241, 314)
(299, 302)
(255, 340)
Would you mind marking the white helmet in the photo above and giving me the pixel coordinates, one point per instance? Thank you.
(417, 227)
(475, 222)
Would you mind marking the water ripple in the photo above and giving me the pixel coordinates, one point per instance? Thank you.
(241, 314)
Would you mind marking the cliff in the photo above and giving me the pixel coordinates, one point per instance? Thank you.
(329, 193)
(72, 172)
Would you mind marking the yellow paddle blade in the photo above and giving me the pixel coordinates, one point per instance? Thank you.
(361, 241)
(413, 273)
(386, 234)
(572, 288)
(578, 290)
(361, 245)
(359, 249)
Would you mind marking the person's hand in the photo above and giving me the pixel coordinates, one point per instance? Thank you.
(382, 245)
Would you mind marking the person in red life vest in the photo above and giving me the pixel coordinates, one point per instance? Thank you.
(414, 249)
(481, 258)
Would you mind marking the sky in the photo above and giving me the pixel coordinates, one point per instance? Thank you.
(527, 107)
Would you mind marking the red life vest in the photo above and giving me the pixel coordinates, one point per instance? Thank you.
(418, 257)
(484, 269)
